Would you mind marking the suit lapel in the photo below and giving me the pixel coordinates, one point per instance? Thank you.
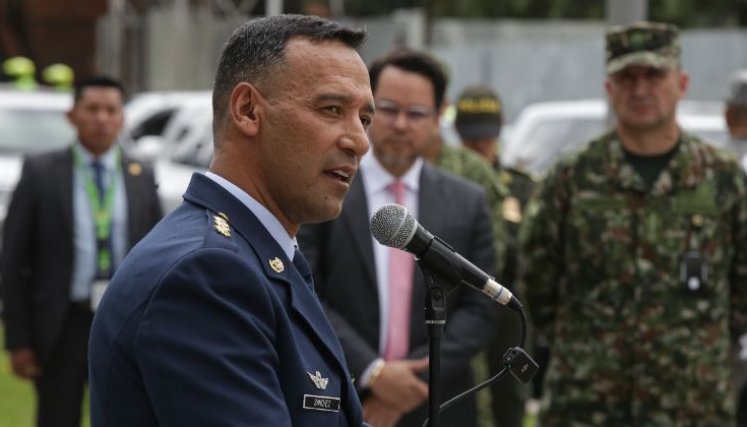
(430, 197)
(134, 209)
(62, 179)
(355, 216)
(205, 192)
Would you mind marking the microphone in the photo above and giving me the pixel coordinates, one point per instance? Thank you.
(393, 226)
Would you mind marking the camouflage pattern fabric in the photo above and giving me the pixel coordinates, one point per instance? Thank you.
(631, 345)
(643, 43)
(519, 186)
(471, 166)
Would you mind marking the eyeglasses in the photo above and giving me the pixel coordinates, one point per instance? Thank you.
(413, 113)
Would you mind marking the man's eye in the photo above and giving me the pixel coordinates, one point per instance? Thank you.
(416, 114)
(366, 120)
(388, 111)
(334, 109)
(654, 73)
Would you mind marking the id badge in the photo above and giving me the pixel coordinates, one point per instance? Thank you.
(693, 272)
(97, 292)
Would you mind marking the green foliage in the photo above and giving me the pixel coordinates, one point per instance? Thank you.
(17, 396)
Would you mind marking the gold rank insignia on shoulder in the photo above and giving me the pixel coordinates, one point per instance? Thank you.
(135, 169)
(319, 382)
(277, 265)
(221, 226)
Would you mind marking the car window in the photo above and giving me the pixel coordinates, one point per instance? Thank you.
(154, 125)
(33, 130)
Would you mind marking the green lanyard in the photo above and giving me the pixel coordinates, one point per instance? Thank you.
(102, 211)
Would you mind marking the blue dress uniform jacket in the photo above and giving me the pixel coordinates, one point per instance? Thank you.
(207, 323)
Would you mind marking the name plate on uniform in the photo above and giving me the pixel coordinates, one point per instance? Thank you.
(321, 403)
(97, 292)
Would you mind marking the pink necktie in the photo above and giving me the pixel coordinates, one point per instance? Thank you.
(401, 266)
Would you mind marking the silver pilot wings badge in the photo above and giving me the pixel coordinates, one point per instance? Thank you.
(319, 382)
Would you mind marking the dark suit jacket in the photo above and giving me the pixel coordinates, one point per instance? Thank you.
(198, 329)
(341, 256)
(38, 252)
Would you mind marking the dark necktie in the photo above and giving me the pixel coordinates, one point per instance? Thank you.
(104, 254)
(98, 178)
(303, 267)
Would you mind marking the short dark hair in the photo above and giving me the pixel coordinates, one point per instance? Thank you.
(258, 46)
(97, 81)
(414, 62)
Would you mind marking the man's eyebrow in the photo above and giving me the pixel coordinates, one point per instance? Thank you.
(345, 99)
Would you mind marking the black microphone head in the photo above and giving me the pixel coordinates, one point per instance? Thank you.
(393, 226)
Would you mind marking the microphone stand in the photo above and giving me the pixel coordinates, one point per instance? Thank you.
(435, 319)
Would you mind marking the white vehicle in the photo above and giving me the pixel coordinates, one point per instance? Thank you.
(187, 148)
(30, 122)
(545, 132)
(148, 114)
(173, 130)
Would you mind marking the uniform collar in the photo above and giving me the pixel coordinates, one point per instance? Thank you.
(265, 217)
(684, 170)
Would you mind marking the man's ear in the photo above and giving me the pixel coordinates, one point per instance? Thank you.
(243, 107)
(70, 114)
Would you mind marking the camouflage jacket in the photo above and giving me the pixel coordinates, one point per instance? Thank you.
(631, 344)
(471, 166)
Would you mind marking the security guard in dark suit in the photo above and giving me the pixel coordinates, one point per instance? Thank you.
(74, 215)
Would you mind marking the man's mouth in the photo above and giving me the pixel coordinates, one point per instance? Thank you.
(340, 174)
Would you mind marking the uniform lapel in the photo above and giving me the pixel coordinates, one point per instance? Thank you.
(276, 266)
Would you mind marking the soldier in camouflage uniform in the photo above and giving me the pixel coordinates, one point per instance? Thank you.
(635, 253)
(478, 121)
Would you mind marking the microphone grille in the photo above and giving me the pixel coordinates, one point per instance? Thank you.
(393, 226)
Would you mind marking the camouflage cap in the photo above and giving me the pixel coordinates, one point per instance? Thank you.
(738, 89)
(643, 43)
(479, 113)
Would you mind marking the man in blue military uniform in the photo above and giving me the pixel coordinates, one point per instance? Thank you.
(213, 320)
